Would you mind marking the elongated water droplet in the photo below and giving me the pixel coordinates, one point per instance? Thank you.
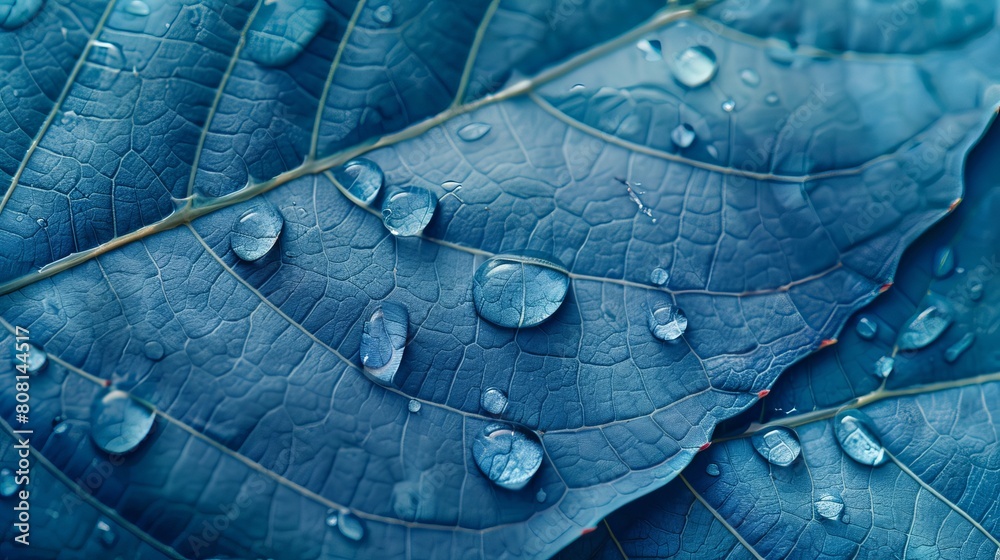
(961, 345)
(362, 178)
(507, 456)
(413, 406)
(682, 135)
(976, 291)
(652, 49)
(282, 30)
(473, 131)
(494, 401)
(771, 99)
(8, 483)
(695, 66)
(866, 328)
(750, 77)
(407, 211)
(19, 12)
(350, 526)
(383, 341)
(857, 438)
(153, 350)
(106, 535)
(383, 14)
(137, 8)
(712, 469)
(883, 367)
(944, 262)
(829, 507)
(118, 424)
(659, 276)
(519, 290)
(728, 105)
(256, 231)
(924, 327)
(778, 446)
(666, 321)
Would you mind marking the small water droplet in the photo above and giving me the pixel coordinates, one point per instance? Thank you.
(659, 276)
(473, 131)
(108, 55)
(750, 77)
(961, 345)
(256, 231)
(846, 518)
(682, 135)
(8, 483)
(829, 507)
(666, 321)
(34, 360)
(540, 496)
(652, 49)
(778, 446)
(519, 289)
(383, 341)
(577, 87)
(106, 535)
(883, 366)
(137, 8)
(857, 438)
(118, 423)
(712, 469)
(408, 210)
(331, 518)
(944, 262)
(866, 328)
(494, 401)
(19, 12)
(362, 178)
(153, 350)
(976, 291)
(728, 105)
(695, 66)
(383, 14)
(281, 31)
(924, 327)
(60, 427)
(413, 406)
(712, 151)
(771, 98)
(507, 456)
(350, 526)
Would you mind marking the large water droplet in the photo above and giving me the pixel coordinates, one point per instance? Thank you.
(362, 178)
(750, 77)
(350, 526)
(712, 469)
(137, 8)
(652, 49)
(682, 135)
(107, 55)
(383, 341)
(507, 456)
(961, 345)
(494, 401)
(924, 327)
(383, 14)
(118, 423)
(829, 507)
(407, 211)
(282, 30)
(659, 276)
(473, 131)
(694, 66)
(519, 290)
(778, 446)
(8, 483)
(19, 12)
(883, 366)
(413, 406)
(857, 438)
(33, 361)
(105, 534)
(866, 328)
(256, 231)
(944, 262)
(666, 321)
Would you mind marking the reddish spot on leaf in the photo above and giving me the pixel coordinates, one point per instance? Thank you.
(954, 204)
(763, 393)
(705, 446)
(827, 342)
(885, 287)
(106, 383)
(588, 530)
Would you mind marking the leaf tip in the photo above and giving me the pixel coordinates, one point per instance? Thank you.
(827, 342)
(705, 446)
(763, 393)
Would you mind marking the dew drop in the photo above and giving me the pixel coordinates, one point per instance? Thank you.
(362, 178)
(924, 327)
(350, 526)
(413, 406)
(778, 446)
(944, 262)
(771, 98)
(42, 223)
(829, 507)
(137, 8)
(383, 341)
(956, 350)
(106, 535)
(507, 456)
(493, 401)
(35, 361)
(540, 496)
(282, 30)
(652, 49)
(153, 350)
(712, 151)
(857, 438)
(256, 231)
(408, 210)
(976, 291)
(519, 289)
(118, 423)
(659, 276)
(107, 55)
(750, 77)
(666, 321)
(883, 366)
(712, 469)
(383, 14)
(846, 518)
(60, 427)
(695, 66)
(331, 518)
(19, 12)
(728, 105)
(473, 131)
(866, 328)
(8, 483)
(682, 135)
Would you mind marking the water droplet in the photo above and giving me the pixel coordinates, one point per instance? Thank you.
(137, 8)
(666, 321)
(408, 210)
(944, 262)
(519, 290)
(883, 366)
(712, 469)
(695, 66)
(118, 423)
(362, 178)
(846, 518)
(682, 135)
(107, 55)
(728, 105)
(507, 456)
(60, 427)
(331, 518)
(19, 12)
(712, 151)
(857, 439)
(652, 49)
(256, 231)
(282, 30)
(540, 496)
(750, 77)
(383, 14)
(413, 406)
(8, 483)
(829, 507)
(35, 360)
(866, 328)
(153, 350)
(659, 276)
(924, 327)
(473, 131)
(106, 535)
(42, 223)
(771, 99)
(350, 526)
(976, 291)
(778, 446)
(956, 350)
(494, 401)
(383, 341)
